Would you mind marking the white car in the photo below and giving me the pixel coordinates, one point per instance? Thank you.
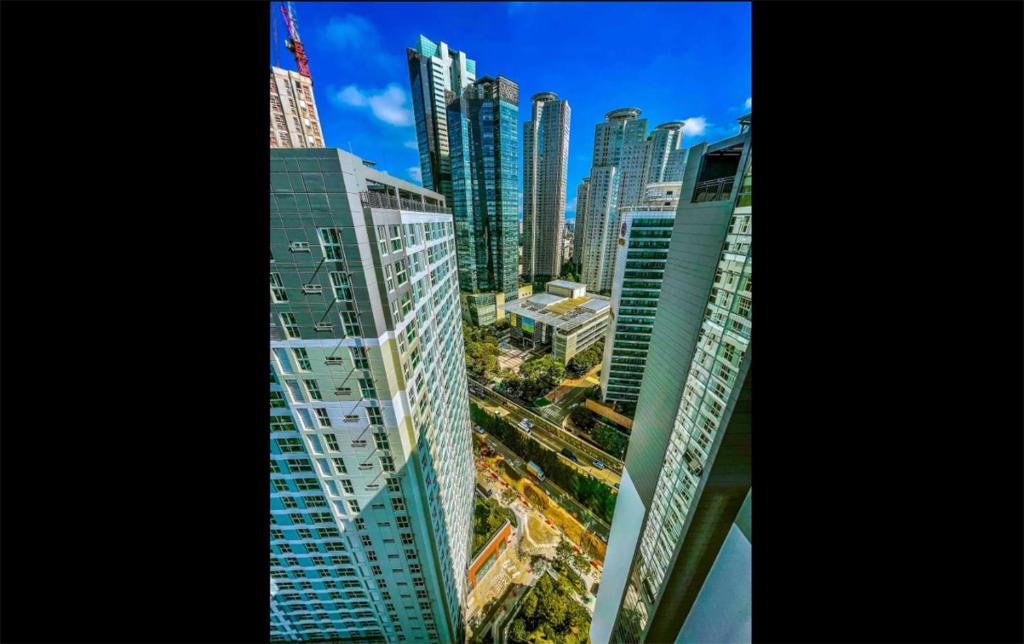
(525, 425)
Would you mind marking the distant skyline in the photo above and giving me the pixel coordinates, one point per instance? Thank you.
(674, 61)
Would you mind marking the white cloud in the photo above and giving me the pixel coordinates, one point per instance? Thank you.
(415, 173)
(748, 103)
(387, 104)
(570, 206)
(412, 145)
(358, 38)
(695, 126)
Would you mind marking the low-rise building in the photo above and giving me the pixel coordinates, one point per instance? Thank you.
(564, 317)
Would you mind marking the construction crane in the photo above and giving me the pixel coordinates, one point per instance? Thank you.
(293, 43)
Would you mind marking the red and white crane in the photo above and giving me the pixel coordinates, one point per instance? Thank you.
(293, 43)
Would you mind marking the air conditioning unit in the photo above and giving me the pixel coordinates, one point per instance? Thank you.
(312, 289)
(323, 326)
(343, 391)
(333, 360)
(299, 247)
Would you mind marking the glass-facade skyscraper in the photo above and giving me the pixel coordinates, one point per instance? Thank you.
(436, 73)
(484, 137)
(545, 163)
(371, 465)
(687, 473)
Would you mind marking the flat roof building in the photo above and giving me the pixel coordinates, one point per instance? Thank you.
(564, 317)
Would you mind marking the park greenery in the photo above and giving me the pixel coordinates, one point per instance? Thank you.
(481, 351)
(583, 361)
(536, 377)
(600, 433)
(565, 561)
(548, 613)
(570, 271)
(488, 517)
(588, 491)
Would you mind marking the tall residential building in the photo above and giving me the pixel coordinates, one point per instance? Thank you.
(582, 192)
(687, 472)
(436, 74)
(371, 465)
(663, 163)
(616, 181)
(545, 161)
(294, 121)
(644, 234)
(484, 136)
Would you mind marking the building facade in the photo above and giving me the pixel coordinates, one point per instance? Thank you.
(663, 163)
(294, 121)
(545, 163)
(371, 480)
(563, 317)
(687, 472)
(484, 137)
(616, 181)
(436, 75)
(582, 193)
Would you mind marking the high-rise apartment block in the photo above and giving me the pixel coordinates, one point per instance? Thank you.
(644, 234)
(616, 180)
(664, 154)
(687, 473)
(371, 481)
(484, 137)
(582, 193)
(545, 162)
(294, 121)
(437, 75)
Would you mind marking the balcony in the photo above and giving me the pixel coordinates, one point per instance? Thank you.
(713, 190)
(391, 202)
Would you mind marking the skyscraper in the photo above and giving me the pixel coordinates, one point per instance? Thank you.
(663, 154)
(484, 136)
(294, 121)
(641, 251)
(371, 466)
(545, 160)
(436, 75)
(616, 181)
(582, 193)
(687, 471)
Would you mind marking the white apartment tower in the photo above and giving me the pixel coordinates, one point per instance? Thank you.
(371, 464)
(294, 121)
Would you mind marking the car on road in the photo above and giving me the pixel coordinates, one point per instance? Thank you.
(598, 463)
(566, 452)
(479, 429)
(525, 425)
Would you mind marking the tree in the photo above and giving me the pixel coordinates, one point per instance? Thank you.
(563, 553)
(582, 362)
(583, 418)
(518, 631)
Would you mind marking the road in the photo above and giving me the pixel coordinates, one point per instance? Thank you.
(588, 519)
(554, 436)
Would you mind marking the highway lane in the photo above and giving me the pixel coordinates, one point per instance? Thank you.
(555, 435)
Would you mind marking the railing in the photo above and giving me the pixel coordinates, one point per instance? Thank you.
(713, 190)
(383, 200)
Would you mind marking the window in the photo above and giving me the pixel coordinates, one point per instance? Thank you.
(371, 555)
(339, 463)
(307, 484)
(289, 445)
(353, 505)
(330, 243)
(277, 400)
(280, 485)
(380, 439)
(347, 486)
(744, 307)
(398, 505)
(277, 290)
(382, 240)
(323, 419)
(403, 521)
(400, 272)
(389, 277)
(350, 324)
(375, 416)
(302, 359)
(275, 467)
(291, 327)
(387, 463)
(299, 465)
(341, 286)
(406, 303)
(359, 358)
(410, 554)
(407, 538)
(414, 569)
(393, 485)
(365, 539)
(313, 389)
(396, 238)
(366, 388)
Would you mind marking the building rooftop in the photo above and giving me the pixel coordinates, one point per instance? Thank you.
(563, 314)
(566, 284)
(545, 299)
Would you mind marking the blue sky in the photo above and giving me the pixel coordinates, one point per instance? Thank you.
(675, 61)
